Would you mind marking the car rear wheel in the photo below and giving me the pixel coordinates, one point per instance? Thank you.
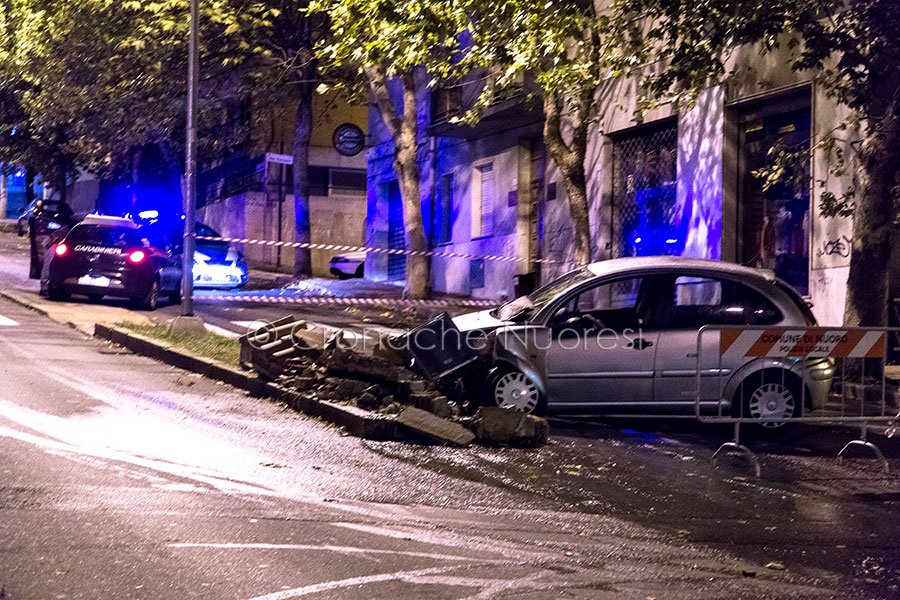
(175, 297)
(513, 390)
(151, 300)
(57, 295)
(770, 398)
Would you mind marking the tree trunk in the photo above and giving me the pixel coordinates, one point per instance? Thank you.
(575, 183)
(303, 128)
(873, 231)
(570, 159)
(4, 192)
(300, 150)
(406, 165)
(405, 134)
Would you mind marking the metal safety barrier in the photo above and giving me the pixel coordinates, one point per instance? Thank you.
(373, 250)
(770, 377)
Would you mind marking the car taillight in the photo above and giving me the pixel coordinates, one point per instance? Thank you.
(137, 256)
(61, 250)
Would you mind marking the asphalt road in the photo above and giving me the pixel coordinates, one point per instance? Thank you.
(123, 478)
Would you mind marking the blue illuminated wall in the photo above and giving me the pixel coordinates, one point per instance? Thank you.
(15, 185)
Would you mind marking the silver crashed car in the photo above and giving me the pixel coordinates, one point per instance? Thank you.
(620, 336)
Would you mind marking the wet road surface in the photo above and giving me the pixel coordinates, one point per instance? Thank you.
(123, 478)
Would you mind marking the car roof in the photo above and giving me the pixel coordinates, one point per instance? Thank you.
(109, 221)
(664, 264)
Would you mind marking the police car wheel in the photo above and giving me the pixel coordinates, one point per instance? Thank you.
(57, 295)
(150, 301)
(175, 297)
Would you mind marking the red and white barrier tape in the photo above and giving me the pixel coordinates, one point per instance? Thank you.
(338, 301)
(396, 251)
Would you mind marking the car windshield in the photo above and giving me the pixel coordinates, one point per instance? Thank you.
(204, 230)
(524, 306)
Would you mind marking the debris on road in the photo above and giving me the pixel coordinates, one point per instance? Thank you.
(507, 427)
(382, 377)
(434, 427)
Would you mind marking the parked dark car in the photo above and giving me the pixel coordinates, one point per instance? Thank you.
(35, 207)
(111, 256)
(42, 220)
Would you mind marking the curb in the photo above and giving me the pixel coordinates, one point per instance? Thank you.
(23, 303)
(354, 420)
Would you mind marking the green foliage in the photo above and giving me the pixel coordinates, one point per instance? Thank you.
(394, 37)
(558, 42)
(108, 77)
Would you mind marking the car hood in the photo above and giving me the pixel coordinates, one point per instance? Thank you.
(481, 320)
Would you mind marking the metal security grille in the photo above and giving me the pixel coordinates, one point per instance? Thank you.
(646, 220)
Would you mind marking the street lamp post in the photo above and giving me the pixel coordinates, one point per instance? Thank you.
(190, 179)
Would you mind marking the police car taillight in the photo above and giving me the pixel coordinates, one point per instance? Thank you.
(137, 256)
(61, 250)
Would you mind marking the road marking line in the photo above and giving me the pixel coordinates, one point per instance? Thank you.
(7, 322)
(329, 548)
(221, 331)
(251, 325)
(354, 581)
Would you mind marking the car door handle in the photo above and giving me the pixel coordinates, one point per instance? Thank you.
(639, 344)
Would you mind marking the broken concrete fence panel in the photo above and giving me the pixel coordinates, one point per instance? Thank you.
(378, 391)
(437, 405)
(368, 401)
(433, 427)
(495, 425)
(391, 351)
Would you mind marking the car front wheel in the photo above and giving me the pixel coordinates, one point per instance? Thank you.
(513, 390)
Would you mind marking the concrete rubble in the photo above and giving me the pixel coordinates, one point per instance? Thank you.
(303, 357)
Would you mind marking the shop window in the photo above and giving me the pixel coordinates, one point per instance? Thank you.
(774, 225)
(347, 182)
(318, 181)
(647, 220)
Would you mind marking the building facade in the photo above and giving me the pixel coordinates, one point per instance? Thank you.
(251, 195)
(677, 182)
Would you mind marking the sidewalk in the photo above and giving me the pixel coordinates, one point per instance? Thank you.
(8, 226)
(82, 316)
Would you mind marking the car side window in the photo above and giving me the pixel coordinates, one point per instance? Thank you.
(609, 305)
(699, 301)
